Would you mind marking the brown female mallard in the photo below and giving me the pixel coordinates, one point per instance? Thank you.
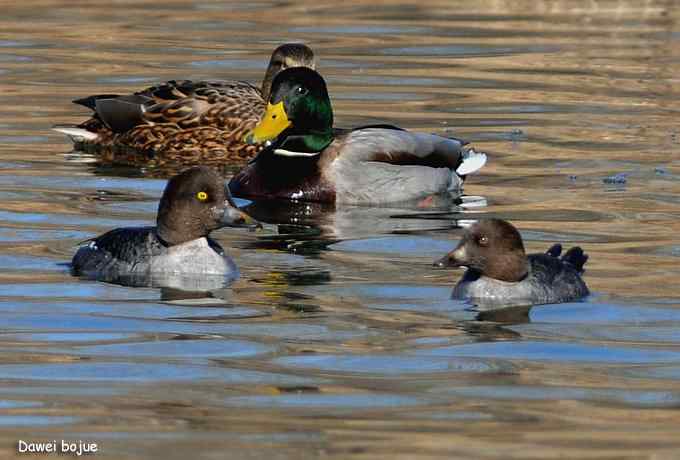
(181, 122)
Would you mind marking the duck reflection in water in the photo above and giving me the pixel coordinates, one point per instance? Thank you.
(316, 225)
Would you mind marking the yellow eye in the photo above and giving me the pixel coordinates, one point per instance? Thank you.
(202, 196)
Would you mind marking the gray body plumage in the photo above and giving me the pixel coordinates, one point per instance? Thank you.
(390, 165)
(363, 166)
(135, 253)
(549, 280)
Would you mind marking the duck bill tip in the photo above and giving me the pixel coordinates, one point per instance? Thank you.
(234, 217)
(441, 263)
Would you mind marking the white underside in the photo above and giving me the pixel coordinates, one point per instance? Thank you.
(192, 258)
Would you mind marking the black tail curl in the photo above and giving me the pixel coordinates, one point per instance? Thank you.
(574, 256)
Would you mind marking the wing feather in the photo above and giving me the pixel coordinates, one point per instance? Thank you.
(400, 147)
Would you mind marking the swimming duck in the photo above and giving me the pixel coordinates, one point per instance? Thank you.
(306, 159)
(193, 204)
(499, 271)
(181, 122)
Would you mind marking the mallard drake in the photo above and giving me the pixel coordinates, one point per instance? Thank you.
(182, 122)
(307, 159)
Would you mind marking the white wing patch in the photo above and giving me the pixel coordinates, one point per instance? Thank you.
(472, 161)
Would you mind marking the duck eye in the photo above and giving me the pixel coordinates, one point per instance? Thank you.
(483, 240)
(301, 90)
(202, 196)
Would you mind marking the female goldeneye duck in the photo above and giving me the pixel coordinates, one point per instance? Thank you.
(499, 271)
(306, 159)
(193, 204)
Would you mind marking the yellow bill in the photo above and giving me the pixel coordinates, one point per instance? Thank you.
(273, 123)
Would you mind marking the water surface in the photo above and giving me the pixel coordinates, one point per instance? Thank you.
(339, 340)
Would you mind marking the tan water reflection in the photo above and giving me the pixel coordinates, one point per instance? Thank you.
(354, 350)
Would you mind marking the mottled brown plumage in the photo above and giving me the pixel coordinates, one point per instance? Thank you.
(179, 123)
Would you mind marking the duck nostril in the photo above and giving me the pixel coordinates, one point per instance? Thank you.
(273, 117)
